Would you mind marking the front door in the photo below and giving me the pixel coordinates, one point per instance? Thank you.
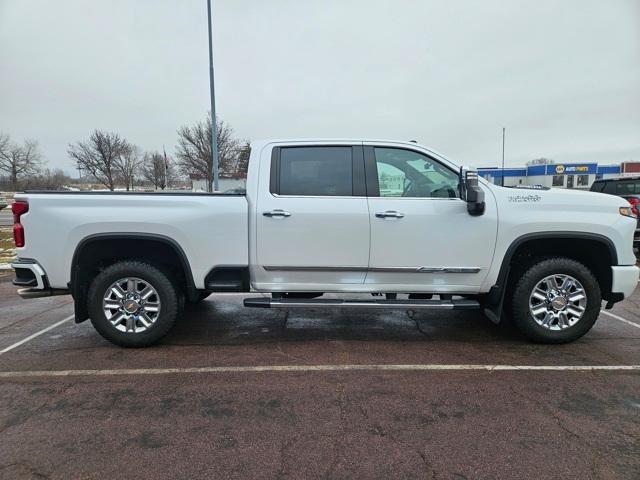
(422, 237)
(312, 220)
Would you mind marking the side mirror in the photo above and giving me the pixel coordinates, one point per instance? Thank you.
(471, 192)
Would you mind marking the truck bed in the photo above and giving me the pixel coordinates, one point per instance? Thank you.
(210, 229)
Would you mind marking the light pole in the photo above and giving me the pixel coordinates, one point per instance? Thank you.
(214, 128)
(502, 176)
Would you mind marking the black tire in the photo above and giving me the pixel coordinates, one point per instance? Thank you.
(168, 296)
(535, 273)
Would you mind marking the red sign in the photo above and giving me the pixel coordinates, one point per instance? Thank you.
(631, 167)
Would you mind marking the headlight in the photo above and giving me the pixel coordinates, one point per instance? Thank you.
(627, 212)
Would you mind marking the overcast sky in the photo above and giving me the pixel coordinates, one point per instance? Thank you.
(562, 76)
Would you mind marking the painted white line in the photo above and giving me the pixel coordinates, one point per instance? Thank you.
(37, 334)
(621, 319)
(314, 368)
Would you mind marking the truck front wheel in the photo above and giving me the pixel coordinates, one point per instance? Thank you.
(556, 300)
(133, 304)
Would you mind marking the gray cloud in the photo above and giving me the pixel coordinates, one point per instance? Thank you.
(562, 77)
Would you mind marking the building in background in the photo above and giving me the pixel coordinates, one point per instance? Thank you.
(559, 175)
(630, 168)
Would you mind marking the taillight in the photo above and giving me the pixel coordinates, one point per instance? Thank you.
(19, 208)
(634, 204)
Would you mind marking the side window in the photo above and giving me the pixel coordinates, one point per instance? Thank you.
(625, 188)
(404, 173)
(315, 171)
(391, 180)
(610, 187)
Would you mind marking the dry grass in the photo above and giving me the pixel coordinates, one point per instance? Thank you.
(7, 247)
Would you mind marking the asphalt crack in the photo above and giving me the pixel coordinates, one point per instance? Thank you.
(411, 315)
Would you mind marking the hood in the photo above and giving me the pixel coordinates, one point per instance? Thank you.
(560, 198)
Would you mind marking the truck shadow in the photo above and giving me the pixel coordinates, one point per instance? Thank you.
(226, 321)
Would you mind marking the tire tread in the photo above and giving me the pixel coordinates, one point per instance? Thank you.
(532, 274)
(162, 283)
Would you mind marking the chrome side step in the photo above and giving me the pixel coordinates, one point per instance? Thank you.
(456, 304)
(28, 293)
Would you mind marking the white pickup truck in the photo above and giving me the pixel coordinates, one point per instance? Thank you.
(391, 219)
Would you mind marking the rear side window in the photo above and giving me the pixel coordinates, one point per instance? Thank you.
(315, 171)
(628, 187)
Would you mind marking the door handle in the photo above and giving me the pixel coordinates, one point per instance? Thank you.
(276, 213)
(389, 214)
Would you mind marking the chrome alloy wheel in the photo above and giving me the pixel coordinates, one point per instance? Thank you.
(131, 305)
(558, 302)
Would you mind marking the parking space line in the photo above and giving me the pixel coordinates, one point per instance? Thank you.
(629, 322)
(315, 368)
(37, 334)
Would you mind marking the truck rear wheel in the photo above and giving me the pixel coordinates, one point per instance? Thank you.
(556, 300)
(133, 304)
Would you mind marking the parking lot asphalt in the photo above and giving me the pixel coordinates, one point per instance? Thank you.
(245, 393)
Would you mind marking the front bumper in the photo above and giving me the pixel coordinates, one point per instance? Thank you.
(624, 279)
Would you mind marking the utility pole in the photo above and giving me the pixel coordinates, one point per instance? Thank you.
(214, 128)
(166, 169)
(502, 183)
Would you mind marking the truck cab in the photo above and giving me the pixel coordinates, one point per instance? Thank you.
(364, 217)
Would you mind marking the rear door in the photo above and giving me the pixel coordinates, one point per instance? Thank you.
(312, 219)
(422, 237)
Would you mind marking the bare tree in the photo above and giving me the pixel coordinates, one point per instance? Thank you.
(19, 161)
(99, 156)
(128, 164)
(158, 169)
(194, 150)
(243, 158)
(49, 180)
(4, 143)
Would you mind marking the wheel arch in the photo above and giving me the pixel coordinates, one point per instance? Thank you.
(596, 251)
(100, 250)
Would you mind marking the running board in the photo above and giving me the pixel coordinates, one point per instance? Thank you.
(457, 304)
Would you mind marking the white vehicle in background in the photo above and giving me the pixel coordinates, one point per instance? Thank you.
(392, 219)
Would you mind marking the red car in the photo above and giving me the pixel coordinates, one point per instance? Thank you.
(625, 187)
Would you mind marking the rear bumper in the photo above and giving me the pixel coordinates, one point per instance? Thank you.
(29, 274)
(33, 280)
(624, 279)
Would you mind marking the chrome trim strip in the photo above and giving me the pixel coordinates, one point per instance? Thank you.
(433, 306)
(448, 269)
(274, 268)
(271, 268)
